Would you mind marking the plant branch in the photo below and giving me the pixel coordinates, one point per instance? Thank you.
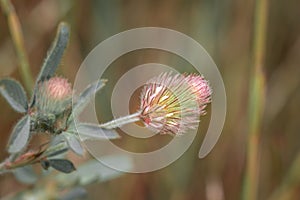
(32, 157)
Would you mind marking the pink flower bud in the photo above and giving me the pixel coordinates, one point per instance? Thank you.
(58, 88)
(54, 95)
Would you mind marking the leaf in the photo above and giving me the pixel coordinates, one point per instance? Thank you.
(14, 94)
(20, 135)
(86, 95)
(106, 173)
(73, 143)
(45, 164)
(93, 131)
(56, 52)
(25, 175)
(57, 139)
(56, 153)
(94, 171)
(56, 149)
(62, 165)
(54, 56)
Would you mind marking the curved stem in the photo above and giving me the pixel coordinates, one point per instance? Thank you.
(18, 40)
(31, 157)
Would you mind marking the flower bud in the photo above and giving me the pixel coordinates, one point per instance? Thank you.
(54, 96)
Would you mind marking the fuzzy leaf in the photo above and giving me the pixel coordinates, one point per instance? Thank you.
(57, 149)
(86, 96)
(54, 56)
(62, 165)
(15, 95)
(20, 135)
(93, 131)
(25, 175)
(73, 143)
(57, 139)
(94, 171)
(56, 52)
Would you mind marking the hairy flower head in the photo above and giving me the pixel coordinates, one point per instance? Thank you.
(201, 89)
(172, 103)
(58, 88)
(54, 95)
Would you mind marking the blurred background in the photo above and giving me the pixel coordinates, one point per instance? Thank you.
(226, 31)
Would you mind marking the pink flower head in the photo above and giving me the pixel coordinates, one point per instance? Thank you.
(54, 95)
(58, 88)
(201, 89)
(172, 103)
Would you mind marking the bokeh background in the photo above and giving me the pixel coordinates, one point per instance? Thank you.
(226, 31)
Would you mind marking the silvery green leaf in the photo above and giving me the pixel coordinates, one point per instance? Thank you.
(62, 165)
(102, 172)
(15, 95)
(20, 135)
(57, 139)
(57, 149)
(94, 171)
(86, 95)
(73, 143)
(93, 131)
(124, 162)
(25, 175)
(54, 55)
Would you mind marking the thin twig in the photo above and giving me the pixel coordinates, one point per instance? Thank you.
(32, 157)
(257, 101)
(18, 40)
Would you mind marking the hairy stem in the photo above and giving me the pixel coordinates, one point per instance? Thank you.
(121, 121)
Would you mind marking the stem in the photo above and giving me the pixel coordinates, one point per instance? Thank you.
(18, 40)
(121, 121)
(256, 102)
(289, 184)
(28, 159)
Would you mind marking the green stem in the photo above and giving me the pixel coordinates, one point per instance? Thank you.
(289, 184)
(121, 121)
(18, 40)
(256, 102)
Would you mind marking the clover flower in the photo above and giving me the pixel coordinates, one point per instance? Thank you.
(172, 104)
